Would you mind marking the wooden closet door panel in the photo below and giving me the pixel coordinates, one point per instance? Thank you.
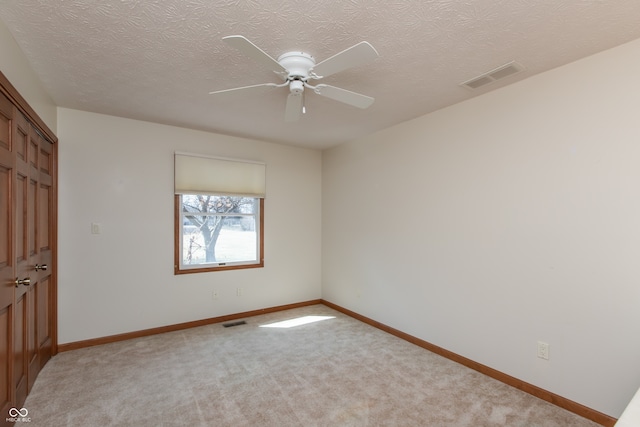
(45, 219)
(6, 258)
(20, 308)
(27, 270)
(6, 295)
(20, 369)
(6, 353)
(43, 315)
(23, 189)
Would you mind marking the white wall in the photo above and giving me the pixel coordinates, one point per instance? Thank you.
(17, 70)
(119, 173)
(511, 218)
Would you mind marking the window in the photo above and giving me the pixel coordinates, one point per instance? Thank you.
(219, 214)
(219, 232)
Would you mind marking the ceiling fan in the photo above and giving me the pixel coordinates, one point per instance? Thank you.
(297, 68)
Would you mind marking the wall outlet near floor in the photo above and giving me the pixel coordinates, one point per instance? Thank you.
(239, 292)
(543, 350)
(214, 294)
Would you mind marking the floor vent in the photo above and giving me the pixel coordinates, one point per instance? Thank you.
(491, 76)
(230, 324)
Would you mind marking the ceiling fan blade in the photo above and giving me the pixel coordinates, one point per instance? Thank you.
(293, 110)
(254, 52)
(345, 96)
(354, 56)
(245, 90)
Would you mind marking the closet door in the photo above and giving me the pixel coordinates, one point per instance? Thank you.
(33, 227)
(7, 277)
(27, 245)
(42, 262)
(24, 197)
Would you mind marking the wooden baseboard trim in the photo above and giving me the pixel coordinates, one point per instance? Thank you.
(154, 331)
(538, 392)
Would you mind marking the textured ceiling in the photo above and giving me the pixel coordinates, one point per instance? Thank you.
(157, 60)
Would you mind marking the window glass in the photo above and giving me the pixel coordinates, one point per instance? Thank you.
(218, 232)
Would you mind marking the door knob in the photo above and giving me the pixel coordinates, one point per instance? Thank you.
(41, 267)
(26, 281)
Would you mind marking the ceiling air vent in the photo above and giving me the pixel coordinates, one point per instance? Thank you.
(493, 75)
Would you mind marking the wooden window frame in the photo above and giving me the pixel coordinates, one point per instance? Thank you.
(178, 255)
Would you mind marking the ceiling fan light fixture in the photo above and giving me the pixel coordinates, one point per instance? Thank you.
(297, 67)
(296, 86)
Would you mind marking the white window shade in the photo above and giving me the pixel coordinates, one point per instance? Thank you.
(196, 174)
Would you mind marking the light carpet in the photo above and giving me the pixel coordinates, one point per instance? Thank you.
(333, 372)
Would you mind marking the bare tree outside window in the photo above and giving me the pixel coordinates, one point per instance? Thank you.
(219, 229)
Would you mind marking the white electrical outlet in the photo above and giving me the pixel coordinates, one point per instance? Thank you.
(543, 350)
(239, 292)
(214, 294)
